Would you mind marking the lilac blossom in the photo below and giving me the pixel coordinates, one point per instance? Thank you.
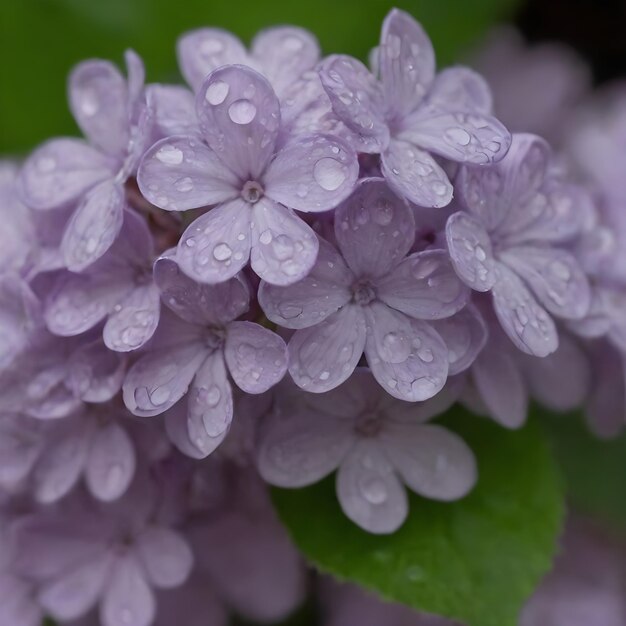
(201, 341)
(91, 174)
(375, 442)
(411, 114)
(254, 185)
(370, 297)
(18, 604)
(506, 241)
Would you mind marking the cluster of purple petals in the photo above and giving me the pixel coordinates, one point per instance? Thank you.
(286, 270)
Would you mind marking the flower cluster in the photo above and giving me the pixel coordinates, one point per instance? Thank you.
(292, 267)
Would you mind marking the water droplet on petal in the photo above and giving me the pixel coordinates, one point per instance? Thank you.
(242, 111)
(184, 184)
(374, 491)
(222, 252)
(170, 155)
(458, 136)
(216, 92)
(329, 173)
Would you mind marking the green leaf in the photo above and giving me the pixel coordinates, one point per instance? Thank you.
(40, 40)
(476, 560)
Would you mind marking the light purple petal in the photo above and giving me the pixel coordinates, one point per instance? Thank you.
(424, 286)
(98, 98)
(178, 432)
(374, 229)
(501, 387)
(127, 599)
(180, 173)
(133, 319)
(17, 604)
(369, 490)
(239, 115)
(60, 171)
(21, 444)
(197, 303)
(256, 357)
(324, 290)
(111, 463)
(460, 89)
(407, 357)
(357, 99)
(93, 227)
(554, 276)
(432, 461)
(284, 247)
(284, 53)
(174, 110)
(527, 324)
(470, 251)
(166, 556)
(322, 357)
(413, 174)
(407, 62)
(203, 50)
(160, 378)
(313, 173)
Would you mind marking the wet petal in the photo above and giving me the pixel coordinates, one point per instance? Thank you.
(323, 356)
(133, 320)
(203, 50)
(160, 378)
(460, 89)
(166, 556)
(470, 251)
(432, 461)
(181, 173)
(424, 286)
(407, 62)
(239, 115)
(60, 171)
(174, 110)
(284, 247)
(98, 98)
(311, 300)
(413, 174)
(374, 229)
(369, 490)
(217, 245)
(407, 357)
(313, 173)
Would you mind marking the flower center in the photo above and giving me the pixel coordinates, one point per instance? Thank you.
(368, 424)
(363, 292)
(252, 192)
(214, 338)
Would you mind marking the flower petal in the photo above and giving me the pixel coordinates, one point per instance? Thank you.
(160, 378)
(369, 490)
(374, 229)
(133, 320)
(284, 247)
(94, 225)
(174, 110)
(432, 461)
(239, 115)
(470, 251)
(312, 173)
(180, 173)
(284, 53)
(424, 286)
(166, 556)
(203, 50)
(357, 99)
(555, 277)
(407, 357)
(526, 323)
(407, 62)
(323, 356)
(256, 357)
(324, 290)
(60, 171)
(111, 463)
(98, 98)
(461, 89)
(128, 598)
(413, 174)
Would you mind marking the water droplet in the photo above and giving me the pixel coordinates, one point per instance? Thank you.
(560, 270)
(383, 214)
(458, 136)
(222, 252)
(184, 184)
(441, 189)
(242, 111)
(46, 164)
(190, 243)
(159, 396)
(374, 491)
(213, 396)
(480, 254)
(209, 47)
(329, 174)
(394, 46)
(266, 237)
(293, 43)
(89, 104)
(325, 375)
(216, 92)
(170, 155)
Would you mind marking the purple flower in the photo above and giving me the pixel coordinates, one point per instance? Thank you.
(507, 242)
(411, 113)
(371, 297)
(118, 288)
(281, 54)
(112, 115)
(254, 184)
(197, 347)
(376, 443)
(18, 605)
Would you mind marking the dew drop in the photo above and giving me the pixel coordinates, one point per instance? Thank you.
(210, 47)
(292, 43)
(216, 92)
(458, 136)
(170, 155)
(222, 252)
(374, 491)
(329, 174)
(242, 111)
(266, 237)
(184, 184)
(159, 396)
